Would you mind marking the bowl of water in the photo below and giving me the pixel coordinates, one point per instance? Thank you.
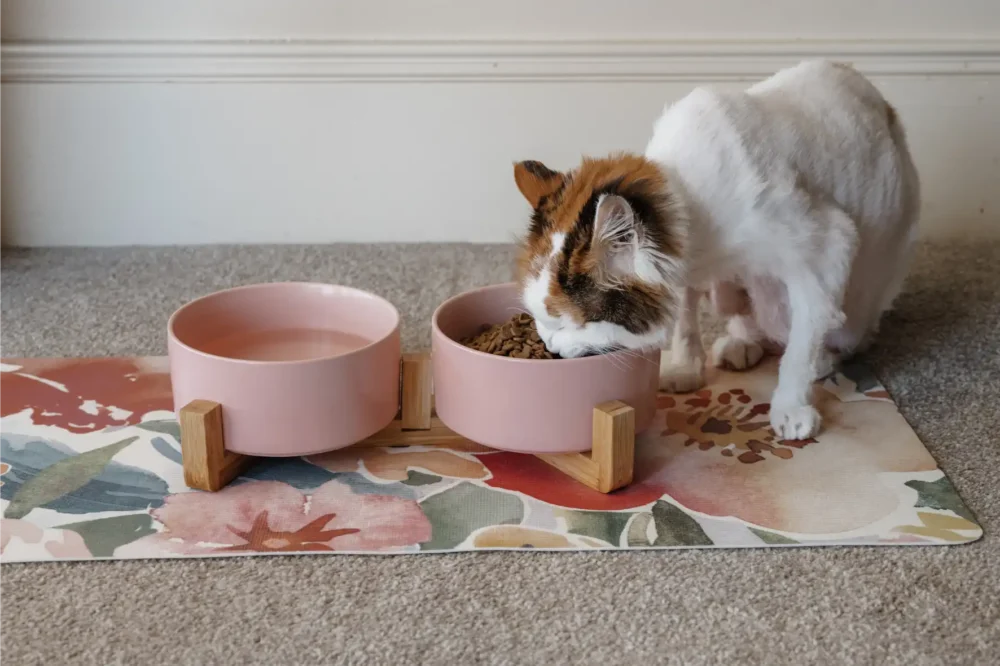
(298, 367)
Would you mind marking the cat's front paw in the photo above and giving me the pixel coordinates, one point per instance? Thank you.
(681, 377)
(735, 354)
(795, 421)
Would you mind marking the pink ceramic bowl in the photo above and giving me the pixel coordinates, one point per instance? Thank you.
(299, 368)
(532, 406)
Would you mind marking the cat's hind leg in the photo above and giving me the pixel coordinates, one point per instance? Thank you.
(682, 369)
(740, 348)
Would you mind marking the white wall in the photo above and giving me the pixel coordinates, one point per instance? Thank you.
(252, 121)
(476, 19)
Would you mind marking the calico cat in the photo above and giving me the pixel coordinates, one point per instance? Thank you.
(794, 203)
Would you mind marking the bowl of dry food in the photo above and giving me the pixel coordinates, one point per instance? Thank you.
(496, 384)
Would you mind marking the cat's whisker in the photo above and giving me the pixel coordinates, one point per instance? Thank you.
(623, 356)
(620, 362)
(617, 362)
(646, 359)
(636, 354)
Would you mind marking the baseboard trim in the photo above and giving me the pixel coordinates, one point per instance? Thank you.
(576, 60)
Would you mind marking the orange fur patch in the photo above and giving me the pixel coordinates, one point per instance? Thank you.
(632, 171)
(535, 180)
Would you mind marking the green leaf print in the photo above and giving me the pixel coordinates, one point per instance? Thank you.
(415, 478)
(172, 428)
(604, 525)
(103, 535)
(62, 477)
(941, 495)
(462, 509)
(676, 528)
(771, 538)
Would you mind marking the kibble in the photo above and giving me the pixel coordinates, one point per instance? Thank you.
(515, 338)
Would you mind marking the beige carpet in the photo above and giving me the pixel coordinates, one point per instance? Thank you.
(939, 355)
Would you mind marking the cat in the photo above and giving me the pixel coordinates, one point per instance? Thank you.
(794, 204)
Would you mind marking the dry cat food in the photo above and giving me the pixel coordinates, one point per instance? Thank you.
(516, 338)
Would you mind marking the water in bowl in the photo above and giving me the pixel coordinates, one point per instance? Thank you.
(285, 344)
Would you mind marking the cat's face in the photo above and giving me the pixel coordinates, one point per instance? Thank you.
(599, 267)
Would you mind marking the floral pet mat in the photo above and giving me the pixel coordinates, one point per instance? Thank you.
(91, 469)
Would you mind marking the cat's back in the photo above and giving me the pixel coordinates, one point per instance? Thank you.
(820, 125)
(711, 140)
(820, 84)
(810, 101)
(823, 99)
(703, 116)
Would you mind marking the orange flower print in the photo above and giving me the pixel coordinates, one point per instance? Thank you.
(86, 395)
(270, 517)
(312, 536)
(395, 463)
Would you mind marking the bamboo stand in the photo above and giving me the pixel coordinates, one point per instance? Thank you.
(606, 467)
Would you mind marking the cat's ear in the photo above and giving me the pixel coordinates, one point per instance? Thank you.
(535, 180)
(618, 239)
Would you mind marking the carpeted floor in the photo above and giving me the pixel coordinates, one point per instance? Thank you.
(939, 355)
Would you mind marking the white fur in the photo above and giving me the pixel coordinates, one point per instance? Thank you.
(799, 191)
(536, 290)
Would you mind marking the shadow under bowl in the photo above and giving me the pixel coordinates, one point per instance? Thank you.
(528, 405)
(299, 368)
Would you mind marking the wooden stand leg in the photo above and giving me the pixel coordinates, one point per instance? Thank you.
(207, 464)
(614, 445)
(417, 425)
(611, 461)
(415, 396)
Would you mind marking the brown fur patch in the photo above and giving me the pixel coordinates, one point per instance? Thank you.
(558, 303)
(890, 114)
